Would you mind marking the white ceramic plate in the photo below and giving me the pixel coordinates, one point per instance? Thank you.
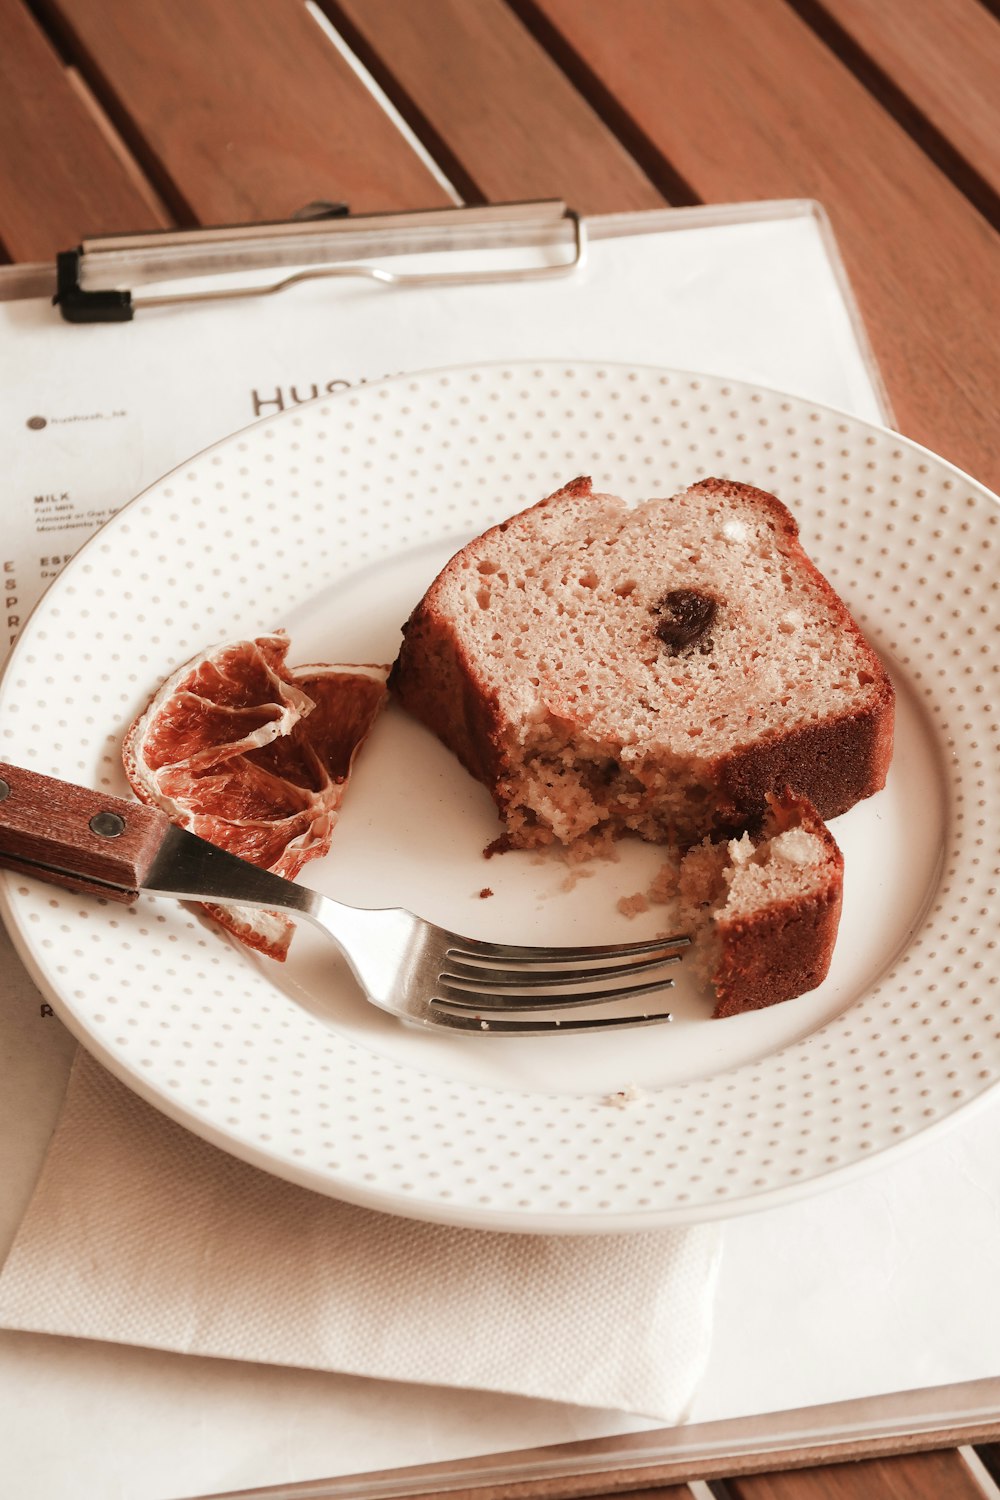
(331, 520)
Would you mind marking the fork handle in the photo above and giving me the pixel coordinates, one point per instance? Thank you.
(76, 838)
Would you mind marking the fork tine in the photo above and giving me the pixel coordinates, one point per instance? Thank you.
(502, 1026)
(516, 975)
(483, 1000)
(473, 950)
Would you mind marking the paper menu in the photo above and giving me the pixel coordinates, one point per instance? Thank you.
(92, 414)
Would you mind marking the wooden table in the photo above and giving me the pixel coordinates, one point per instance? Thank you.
(131, 114)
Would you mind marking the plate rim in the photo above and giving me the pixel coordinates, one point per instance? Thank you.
(606, 1221)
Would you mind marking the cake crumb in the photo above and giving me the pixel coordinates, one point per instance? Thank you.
(622, 1098)
(741, 850)
(600, 843)
(578, 873)
(632, 906)
(663, 886)
(484, 893)
(796, 846)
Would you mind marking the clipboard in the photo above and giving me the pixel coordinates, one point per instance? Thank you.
(910, 1422)
(176, 282)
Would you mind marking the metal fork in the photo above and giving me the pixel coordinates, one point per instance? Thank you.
(418, 971)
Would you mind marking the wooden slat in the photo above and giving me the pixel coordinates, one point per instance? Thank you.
(989, 1457)
(943, 56)
(61, 177)
(940, 1475)
(242, 110)
(746, 102)
(491, 104)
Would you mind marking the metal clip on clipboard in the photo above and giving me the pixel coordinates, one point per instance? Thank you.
(90, 278)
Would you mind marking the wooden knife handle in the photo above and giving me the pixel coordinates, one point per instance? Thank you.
(72, 837)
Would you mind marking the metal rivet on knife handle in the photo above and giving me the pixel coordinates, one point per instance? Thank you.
(4, 789)
(108, 824)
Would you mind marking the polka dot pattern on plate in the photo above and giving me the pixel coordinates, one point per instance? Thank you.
(235, 539)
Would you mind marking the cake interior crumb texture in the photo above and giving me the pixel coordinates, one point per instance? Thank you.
(655, 670)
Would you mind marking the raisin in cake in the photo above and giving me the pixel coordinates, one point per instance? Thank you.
(763, 910)
(656, 670)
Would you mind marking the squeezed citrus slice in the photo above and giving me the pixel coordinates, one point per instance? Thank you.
(255, 757)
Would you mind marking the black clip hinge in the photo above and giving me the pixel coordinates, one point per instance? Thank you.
(80, 306)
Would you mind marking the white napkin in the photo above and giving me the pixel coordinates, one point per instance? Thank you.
(140, 1233)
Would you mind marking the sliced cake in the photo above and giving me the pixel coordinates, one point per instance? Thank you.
(657, 670)
(763, 910)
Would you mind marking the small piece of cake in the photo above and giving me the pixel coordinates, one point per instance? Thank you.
(762, 911)
(657, 670)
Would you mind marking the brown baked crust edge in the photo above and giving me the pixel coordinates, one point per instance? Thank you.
(435, 682)
(785, 950)
(834, 764)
